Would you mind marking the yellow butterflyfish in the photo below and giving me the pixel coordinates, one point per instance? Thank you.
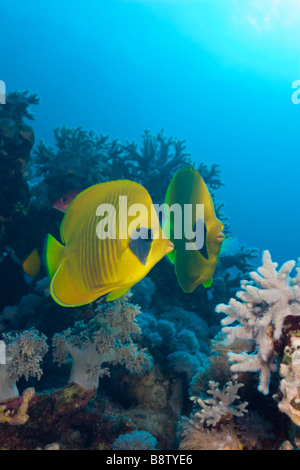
(90, 263)
(193, 266)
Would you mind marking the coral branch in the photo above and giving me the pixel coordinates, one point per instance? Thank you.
(265, 304)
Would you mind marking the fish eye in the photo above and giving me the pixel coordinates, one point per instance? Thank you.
(198, 227)
(64, 199)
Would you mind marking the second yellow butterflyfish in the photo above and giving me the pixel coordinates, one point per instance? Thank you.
(90, 263)
(193, 266)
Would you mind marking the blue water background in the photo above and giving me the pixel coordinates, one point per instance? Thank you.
(216, 73)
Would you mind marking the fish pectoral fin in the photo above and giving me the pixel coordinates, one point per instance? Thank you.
(168, 232)
(208, 283)
(171, 256)
(64, 290)
(116, 294)
(230, 246)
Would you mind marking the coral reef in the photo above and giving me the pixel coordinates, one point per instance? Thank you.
(136, 440)
(288, 396)
(23, 355)
(185, 377)
(267, 313)
(16, 142)
(15, 412)
(104, 339)
(82, 158)
(223, 422)
(212, 427)
(69, 418)
(196, 437)
(178, 335)
(221, 404)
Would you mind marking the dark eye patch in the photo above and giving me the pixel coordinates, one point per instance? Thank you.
(202, 250)
(140, 243)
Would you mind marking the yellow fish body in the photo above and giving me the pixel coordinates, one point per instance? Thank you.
(193, 267)
(88, 266)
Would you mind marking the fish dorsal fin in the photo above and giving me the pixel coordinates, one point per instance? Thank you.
(89, 199)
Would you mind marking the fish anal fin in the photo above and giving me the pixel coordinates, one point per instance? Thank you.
(171, 256)
(208, 283)
(65, 291)
(116, 294)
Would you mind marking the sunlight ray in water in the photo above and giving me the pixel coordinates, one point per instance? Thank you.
(267, 15)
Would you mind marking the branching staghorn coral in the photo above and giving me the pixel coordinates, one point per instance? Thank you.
(221, 405)
(105, 339)
(211, 176)
(212, 427)
(241, 259)
(81, 158)
(23, 355)
(17, 104)
(266, 311)
(156, 161)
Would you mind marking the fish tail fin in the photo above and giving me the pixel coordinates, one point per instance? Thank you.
(52, 254)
